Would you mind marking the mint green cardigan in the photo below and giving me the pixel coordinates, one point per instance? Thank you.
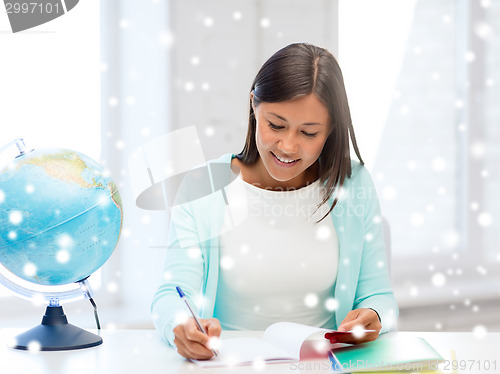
(192, 256)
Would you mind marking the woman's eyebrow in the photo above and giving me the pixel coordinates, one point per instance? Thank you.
(284, 119)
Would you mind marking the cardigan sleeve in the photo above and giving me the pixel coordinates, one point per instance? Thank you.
(374, 288)
(190, 263)
(184, 267)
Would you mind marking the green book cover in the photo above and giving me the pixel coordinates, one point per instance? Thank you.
(388, 354)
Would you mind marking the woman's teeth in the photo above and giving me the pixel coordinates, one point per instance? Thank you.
(284, 159)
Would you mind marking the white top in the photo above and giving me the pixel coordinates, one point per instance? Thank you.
(276, 263)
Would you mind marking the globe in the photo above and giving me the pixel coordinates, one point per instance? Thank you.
(60, 215)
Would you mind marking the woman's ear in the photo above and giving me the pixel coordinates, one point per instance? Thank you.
(251, 101)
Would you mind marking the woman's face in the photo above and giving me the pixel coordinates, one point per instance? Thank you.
(290, 136)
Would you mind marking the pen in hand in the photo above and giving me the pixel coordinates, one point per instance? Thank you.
(197, 321)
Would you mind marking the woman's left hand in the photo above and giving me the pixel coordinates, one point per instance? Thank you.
(364, 317)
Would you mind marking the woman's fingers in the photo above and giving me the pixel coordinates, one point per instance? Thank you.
(362, 319)
(194, 344)
(213, 327)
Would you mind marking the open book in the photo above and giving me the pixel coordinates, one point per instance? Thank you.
(290, 342)
(282, 342)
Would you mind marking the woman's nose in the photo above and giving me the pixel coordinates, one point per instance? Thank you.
(288, 144)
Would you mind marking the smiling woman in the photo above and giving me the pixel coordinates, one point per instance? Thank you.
(288, 149)
(263, 251)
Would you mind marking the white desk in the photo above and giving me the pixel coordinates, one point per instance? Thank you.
(142, 352)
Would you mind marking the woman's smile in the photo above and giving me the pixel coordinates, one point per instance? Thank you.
(285, 162)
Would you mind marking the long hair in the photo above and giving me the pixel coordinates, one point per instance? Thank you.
(295, 71)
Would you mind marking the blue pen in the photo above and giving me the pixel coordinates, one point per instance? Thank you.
(200, 327)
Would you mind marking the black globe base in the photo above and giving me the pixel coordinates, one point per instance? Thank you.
(56, 334)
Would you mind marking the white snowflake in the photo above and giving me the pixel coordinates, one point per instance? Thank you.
(65, 241)
(451, 238)
(358, 331)
(130, 100)
(485, 3)
(167, 275)
(413, 291)
(189, 86)
(209, 131)
(438, 164)
(29, 269)
(208, 22)
(146, 219)
(63, 256)
(483, 30)
(112, 287)
(311, 300)
(479, 332)
(214, 342)
(194, 252)
(237, 15)
(113, 101)
(417, 219)
(389, 193)
(34, 346)
(484, 219)
(323, 232)
(244, 248)
(181, 317)
(481, 270)
(15, 217)
(470, 56)
(447, 18)
(438, 279)
(265, 23)
(478, 149)
(227, 263)
(331, 304)
(166, 39)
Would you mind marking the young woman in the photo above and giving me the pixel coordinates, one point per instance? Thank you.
(292, 229)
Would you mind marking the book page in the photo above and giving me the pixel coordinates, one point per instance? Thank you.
(282, 342)
(245, 351)
(290, 336)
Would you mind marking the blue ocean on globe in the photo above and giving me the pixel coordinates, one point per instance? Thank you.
(60, 216)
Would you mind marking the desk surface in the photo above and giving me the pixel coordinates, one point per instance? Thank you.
(142, 351)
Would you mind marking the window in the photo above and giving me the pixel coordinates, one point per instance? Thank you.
(422, 84)
(50, 91)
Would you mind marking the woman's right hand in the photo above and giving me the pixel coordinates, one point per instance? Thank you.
(191, 342)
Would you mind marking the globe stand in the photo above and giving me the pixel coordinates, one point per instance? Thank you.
(56, 334)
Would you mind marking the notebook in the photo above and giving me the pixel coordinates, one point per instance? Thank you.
(391, 353)
(282, 342)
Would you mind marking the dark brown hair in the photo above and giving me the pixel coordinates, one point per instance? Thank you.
(295, 71)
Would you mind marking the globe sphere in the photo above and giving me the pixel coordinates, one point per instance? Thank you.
(60, 214)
